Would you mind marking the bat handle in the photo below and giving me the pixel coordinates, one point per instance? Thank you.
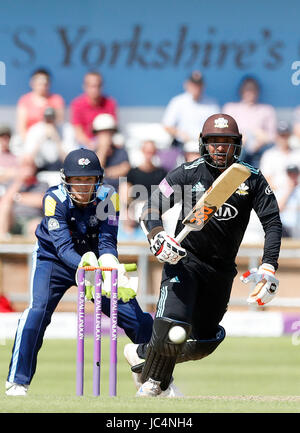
(181, 235)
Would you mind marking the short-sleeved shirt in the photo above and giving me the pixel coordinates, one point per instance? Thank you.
(188, 115)
(273, 165)
(253, 117)
(83, 112)
(34, 112)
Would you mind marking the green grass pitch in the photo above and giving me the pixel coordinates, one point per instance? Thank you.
(243, 375)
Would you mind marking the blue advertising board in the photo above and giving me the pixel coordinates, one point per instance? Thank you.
(145, 50)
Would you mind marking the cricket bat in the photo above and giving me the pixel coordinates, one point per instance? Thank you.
(216, 195)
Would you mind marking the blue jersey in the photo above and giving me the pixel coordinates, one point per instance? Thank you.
(68, 231)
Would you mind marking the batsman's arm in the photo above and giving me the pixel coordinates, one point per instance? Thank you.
(266, 208)
(168, 193)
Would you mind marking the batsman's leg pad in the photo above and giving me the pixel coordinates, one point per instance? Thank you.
(161, 352)
(194, 350)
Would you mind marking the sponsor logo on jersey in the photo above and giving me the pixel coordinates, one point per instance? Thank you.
(165, 188)
(198, 187)
(226, 212)
(175, 280)
(221, 122)
(268, 190)
(115, 201)
(113, 220)
(50, 205)
(242, 189)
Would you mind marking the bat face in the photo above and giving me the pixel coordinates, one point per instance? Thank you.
(201, 216)
(222, 188)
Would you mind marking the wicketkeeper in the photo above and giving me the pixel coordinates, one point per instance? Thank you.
(198, 274)
(79, 228)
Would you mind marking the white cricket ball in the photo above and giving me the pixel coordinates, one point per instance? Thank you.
(177, 334)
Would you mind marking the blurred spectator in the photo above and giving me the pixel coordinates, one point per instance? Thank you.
(114, 159)
(275, 161)
(257, 122)
(147, 175)
(295, 142)
(8, 161)
(21, 205)
(31, 106)
(5, 305)
(47, 144)
(86, 107)
(191, 150)
(289, 203)
(129, 227)
(170, 158)
(186, 113)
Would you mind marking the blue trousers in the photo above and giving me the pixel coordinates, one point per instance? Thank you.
(49, 282)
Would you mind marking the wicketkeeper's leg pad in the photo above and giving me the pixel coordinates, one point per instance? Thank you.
(162, 352)
(194, 350)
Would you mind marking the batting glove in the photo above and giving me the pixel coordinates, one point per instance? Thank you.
(266, 284)
(166, 249)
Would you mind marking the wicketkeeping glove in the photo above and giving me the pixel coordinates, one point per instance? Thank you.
(127, 277)
(266, 284)
(166, 249)
(88, 259)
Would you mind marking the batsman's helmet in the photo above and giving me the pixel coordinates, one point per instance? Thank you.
(219, 125)
(81, 162)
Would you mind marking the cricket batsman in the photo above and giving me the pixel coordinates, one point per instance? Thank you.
(79, 228)
(198, 274)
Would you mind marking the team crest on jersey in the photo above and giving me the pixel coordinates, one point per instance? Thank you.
(93, 221)
(83, 161)
(221, 122)
(226, 212)
(242, 189)
(53, 224)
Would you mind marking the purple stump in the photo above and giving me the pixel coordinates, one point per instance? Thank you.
(113, 333)
(97, 332)
(80, 332)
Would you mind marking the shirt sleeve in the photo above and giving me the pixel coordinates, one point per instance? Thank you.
(266, 208)
(170, 116)
(59, 231)
(56, 101)
(168, 193)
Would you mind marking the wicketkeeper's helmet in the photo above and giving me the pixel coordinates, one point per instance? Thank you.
(81, 162)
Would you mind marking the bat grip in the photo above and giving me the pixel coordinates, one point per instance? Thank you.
(181, 235)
